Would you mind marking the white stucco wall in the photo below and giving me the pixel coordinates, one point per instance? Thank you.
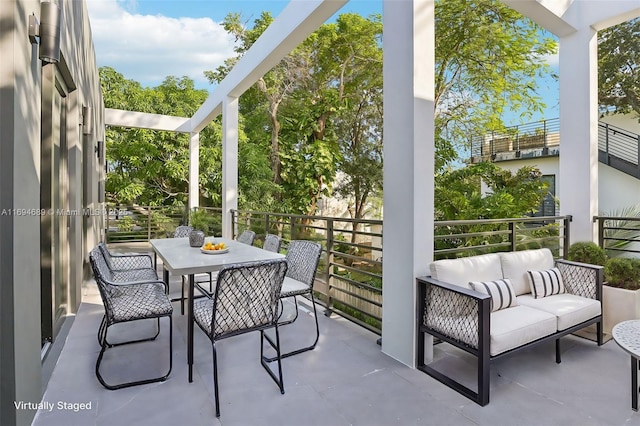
(630, 122)
(616, 189)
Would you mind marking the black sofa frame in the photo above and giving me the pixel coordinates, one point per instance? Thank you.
(432, 292)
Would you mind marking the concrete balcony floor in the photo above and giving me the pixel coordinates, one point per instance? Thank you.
(346, 380)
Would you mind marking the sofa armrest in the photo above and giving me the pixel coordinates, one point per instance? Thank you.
(458, 315)
(581, 279)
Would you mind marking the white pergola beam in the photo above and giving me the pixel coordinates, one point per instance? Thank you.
(143, 120)
(546, 13)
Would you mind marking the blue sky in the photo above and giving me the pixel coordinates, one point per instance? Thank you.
(148, 40)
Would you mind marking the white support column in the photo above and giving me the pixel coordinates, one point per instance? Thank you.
(194, 167)
(578, 180)
(229, 163)
(408, 167)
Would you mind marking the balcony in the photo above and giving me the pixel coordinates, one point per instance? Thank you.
(345, 380)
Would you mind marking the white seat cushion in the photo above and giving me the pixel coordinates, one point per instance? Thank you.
(291, 287)
(515, 265)
(568, 308)
(513, 327)
(461, 271)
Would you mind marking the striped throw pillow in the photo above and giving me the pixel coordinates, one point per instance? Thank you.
(501, 291)
(546, 283)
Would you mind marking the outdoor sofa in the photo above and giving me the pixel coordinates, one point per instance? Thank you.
(455, 306)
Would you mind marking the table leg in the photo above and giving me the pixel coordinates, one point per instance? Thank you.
(190, 327)
(165, 277)
(634, 383)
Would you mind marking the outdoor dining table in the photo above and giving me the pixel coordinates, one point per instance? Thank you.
(179, 258)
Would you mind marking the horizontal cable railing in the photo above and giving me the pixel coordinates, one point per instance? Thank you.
(536, 135)
(462, 238)
(618, 148)
(619, 236)
(133, 224)
(349, 278)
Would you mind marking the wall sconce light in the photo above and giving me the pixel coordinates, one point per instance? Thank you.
(99, 149)
(46, 32)
(87, 120)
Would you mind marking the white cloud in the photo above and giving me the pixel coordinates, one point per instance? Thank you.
(148, 48)
(552, 59)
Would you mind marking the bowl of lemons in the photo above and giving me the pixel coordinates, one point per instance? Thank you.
(214, 248)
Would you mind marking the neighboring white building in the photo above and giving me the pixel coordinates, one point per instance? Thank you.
(618, 169)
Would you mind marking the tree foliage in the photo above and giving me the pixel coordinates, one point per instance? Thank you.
(152, 167)
(619, 68)
(488, 58)
(319, 111)
(459, 193)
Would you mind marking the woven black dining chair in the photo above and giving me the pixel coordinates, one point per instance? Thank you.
(302, 261)
(272, 243)
(246, 237)
(129, 266)
(182, 231)
(245, 299)
(126, 302)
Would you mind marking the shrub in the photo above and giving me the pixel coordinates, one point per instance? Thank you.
(587, 252)
(623, 273)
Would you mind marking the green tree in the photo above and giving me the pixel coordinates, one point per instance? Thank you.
(459, 193)
(152, 167)
(488, 57)
(356, 51)
(619, 68)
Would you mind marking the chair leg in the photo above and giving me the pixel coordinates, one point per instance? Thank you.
(289, 321)
(216, 396)
(102, 334)
(305, 349)
(264, 362)
(558, 359)
(104, 345)
(182, 298)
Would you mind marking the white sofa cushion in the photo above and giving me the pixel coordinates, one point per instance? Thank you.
(516, 326)
(515, 265)
(485, 267)
(546, 283)
(568, 308)
(501, 292)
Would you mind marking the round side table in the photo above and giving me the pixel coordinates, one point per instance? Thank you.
(627, 336)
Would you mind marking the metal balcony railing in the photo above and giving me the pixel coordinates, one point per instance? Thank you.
(617, 147)
(619, 236)
(349, 278)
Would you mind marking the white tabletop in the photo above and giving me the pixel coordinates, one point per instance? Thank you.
(181, 259)
(627, 335)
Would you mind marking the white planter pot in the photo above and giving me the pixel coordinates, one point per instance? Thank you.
(619, 304)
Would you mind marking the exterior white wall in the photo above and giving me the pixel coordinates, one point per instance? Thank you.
(20, 136)
(617, 190)
(630, 122)
(546, 165)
